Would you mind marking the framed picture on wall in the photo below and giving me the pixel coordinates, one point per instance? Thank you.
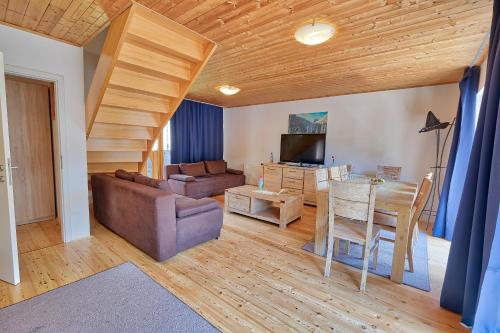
(308, 123)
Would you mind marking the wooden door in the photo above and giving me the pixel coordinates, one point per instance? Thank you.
(31, 149)
(9, 262)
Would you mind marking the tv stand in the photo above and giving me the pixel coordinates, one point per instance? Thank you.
(294, 178)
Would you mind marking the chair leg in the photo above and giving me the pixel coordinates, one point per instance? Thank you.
(329, 250)
(347, 247)
(336, 248)
(375, 254)
(409, 254)
(364, 273)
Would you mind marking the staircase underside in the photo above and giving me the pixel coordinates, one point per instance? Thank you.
(146, 67)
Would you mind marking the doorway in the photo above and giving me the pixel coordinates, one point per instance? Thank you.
(31, 118)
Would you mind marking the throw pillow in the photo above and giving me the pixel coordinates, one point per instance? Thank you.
(215, 167)
(123, 174)
(193, 169)
(156, 183)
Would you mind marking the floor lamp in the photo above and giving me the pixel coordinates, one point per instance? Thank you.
(433, 123)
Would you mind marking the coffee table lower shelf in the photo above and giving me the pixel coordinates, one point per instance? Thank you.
(274, 208)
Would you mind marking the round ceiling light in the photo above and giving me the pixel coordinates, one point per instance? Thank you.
(314, 33)
(228, 90)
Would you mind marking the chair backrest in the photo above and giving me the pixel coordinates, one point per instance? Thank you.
(321, 176)
(388, 172)
(344, 172)
(353, 200)
(339, 173)
(335, 173)
(423, 193)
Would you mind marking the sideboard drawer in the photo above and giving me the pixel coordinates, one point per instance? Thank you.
(239, 202)
(272, 171)
(310, 196)
(293, 191)
(293, 183)
(293, 173)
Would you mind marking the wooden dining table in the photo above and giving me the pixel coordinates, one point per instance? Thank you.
(393, 196)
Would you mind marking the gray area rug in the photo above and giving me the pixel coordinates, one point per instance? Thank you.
(418, 279)
(121, 299)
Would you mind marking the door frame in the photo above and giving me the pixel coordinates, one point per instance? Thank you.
(59, 131)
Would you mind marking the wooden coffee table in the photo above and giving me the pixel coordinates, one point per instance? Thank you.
(264, 205)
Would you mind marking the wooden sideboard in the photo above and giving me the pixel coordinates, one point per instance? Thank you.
(300, 180)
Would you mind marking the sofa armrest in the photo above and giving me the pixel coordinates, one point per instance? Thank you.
(234, 171)
(182, 178)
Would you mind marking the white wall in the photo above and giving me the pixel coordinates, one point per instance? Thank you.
(25, 52)
(363, 129)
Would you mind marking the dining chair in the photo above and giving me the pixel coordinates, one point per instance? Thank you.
(389, 222)
(321, 176)
(335, 173)
(389, 172)
(350, 218)
(339, 173)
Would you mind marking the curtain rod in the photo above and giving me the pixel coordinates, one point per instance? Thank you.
(193, 100)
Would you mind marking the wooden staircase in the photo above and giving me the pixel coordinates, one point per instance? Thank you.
(147, 64)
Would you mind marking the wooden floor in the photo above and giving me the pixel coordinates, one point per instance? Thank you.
(254, 278)
(36, 236)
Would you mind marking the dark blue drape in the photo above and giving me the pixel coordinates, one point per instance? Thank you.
(458, 159)
(472, 276)
(197, 133)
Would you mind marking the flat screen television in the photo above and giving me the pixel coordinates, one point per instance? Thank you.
(303, 148)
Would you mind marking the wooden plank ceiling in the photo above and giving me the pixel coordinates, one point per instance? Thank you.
(379, 44)
(146, 67)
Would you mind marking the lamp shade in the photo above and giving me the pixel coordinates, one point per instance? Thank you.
(314, 33)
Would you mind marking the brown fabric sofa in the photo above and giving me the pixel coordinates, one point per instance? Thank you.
(156, 221)
(202, 179)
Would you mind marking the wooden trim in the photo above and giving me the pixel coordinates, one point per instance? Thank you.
(39, 33)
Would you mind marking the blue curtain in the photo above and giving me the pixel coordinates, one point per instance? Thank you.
(472, 279)
(458, 159)
(196, 133)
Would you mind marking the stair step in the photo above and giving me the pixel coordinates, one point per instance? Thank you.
(116, 145)
(114, 156)
(142, 82)
(148, 31)
(113, 115)
(114, 131)
(111, 167)
(136, 101)
(153, 62)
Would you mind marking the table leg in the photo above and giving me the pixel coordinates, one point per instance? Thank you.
(400, 244)
(321, 229)
(283, 217)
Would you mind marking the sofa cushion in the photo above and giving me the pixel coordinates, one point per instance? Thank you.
(215, 167)
(156, 183)
(183, 178)
(186, 206)
(193, 169)
(123, 174)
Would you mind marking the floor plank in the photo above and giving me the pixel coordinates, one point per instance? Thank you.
(255, 278)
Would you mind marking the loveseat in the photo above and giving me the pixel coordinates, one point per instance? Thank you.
(153, 218)
(202, 179)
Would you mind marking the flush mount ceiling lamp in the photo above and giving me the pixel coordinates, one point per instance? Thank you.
(228, 90)
(314, 33)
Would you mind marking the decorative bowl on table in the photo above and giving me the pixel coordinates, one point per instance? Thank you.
(377, 181)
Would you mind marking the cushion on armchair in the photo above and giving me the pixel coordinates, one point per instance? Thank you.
(193, 169)
(215, 167)
(183, 178)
